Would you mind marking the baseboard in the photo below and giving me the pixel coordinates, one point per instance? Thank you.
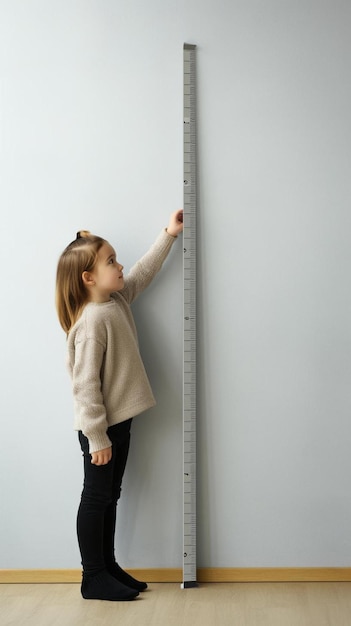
(204, 575)
(274, 574)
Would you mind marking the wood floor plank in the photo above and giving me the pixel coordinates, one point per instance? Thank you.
(166, 604)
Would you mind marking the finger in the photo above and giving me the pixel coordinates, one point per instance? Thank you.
(98, 459)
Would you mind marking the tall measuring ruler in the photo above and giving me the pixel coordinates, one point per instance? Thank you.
(189, 328)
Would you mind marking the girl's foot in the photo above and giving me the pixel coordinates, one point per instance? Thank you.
(103, 586)
(119, 574)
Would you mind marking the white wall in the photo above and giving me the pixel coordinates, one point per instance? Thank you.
(91, 137)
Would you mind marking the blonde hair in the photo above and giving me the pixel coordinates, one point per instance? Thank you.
(71, 295)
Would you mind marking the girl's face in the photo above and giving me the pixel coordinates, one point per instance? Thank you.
(107, 275)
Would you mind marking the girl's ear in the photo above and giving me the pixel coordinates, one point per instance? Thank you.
(88, 279)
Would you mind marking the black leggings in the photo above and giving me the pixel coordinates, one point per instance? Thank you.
(96, 520)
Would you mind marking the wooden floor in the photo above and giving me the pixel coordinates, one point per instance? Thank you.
(166, 604)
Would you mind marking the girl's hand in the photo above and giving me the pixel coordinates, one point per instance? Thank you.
(175, 225)
(101, 457)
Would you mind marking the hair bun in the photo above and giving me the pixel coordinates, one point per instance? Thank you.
(83, 233)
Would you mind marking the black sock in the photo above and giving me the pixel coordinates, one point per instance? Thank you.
(119, 574)
(103, 586)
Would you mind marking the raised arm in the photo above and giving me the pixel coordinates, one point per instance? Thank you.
(142, 273)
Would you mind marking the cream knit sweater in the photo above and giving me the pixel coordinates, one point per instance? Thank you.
(109, 381)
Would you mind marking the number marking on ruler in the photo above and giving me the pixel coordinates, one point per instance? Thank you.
(189, 328)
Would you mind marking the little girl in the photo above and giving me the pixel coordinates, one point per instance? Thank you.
(110, 387)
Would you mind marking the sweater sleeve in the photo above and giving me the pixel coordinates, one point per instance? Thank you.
(142, 273)
(88, 399)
